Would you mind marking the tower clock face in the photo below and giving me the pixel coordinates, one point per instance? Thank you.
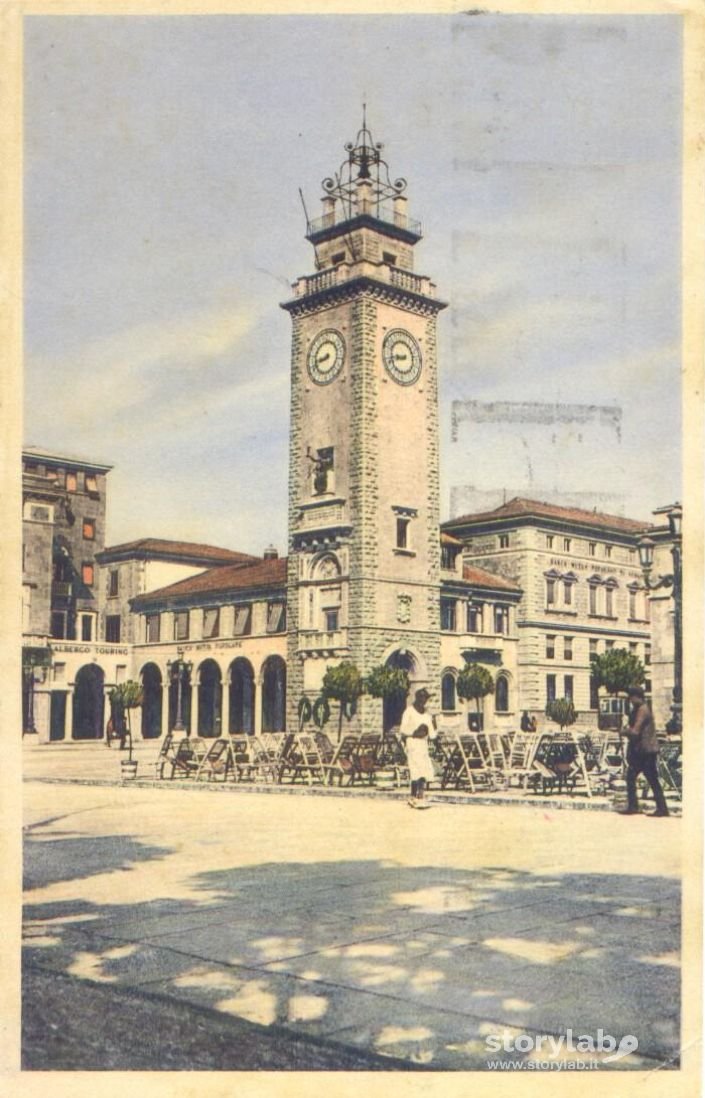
(326, 356)
(402, 356)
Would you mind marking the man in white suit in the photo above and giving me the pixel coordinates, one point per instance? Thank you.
(417, 727)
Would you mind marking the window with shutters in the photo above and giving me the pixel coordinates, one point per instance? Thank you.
(276, 617)
(211, 623)
(243, 621)
(181, 625)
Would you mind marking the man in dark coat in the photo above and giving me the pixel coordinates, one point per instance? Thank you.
(642, 753)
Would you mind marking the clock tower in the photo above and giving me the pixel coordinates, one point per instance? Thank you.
(364, 549)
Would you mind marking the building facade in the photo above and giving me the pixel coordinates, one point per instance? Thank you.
(582, 592)
(136, 567)
(218, 639)
(63, 530)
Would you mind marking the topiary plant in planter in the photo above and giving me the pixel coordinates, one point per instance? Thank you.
(562, 712)
(127, 696)
(474, 683)
(343, 683)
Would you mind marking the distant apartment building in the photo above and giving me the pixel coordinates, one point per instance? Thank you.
(136, 567)
(582, 592)
(63, 530)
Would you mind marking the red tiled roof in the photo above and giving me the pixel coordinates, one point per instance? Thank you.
(518, 507)
(188, 549)
(483, 578)
(263, 573)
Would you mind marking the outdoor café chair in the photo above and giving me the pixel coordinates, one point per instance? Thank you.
(390, 760)
(342, 764)
(670, 771)
(265, 752)
(521, 769)
(165, 758)
(465, 764)
(366, 765)
(184, 761)
(218, 761)
(302, 761)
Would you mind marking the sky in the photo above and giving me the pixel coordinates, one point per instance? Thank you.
(163, 227)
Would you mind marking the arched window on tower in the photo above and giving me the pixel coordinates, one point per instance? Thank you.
(327, 609)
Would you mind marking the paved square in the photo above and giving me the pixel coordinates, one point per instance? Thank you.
(411, 935)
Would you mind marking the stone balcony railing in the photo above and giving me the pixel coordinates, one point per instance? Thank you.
(320, 642)
(385, 213)
(380, 272)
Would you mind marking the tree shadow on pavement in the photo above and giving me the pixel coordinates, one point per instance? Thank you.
(422, 964)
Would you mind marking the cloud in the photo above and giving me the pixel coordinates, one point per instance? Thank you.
(144, 368)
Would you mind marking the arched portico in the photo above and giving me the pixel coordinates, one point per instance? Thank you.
(88, 703)
(151, 679)
(273, 694)
(241, 696)
(210, 699)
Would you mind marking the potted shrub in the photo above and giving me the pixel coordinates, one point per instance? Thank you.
(125, 697)
(343, 683)
(474, 683)
(562, 712)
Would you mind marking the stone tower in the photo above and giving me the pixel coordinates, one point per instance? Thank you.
(364, 552)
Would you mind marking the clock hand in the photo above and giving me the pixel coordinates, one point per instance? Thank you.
(322, 358)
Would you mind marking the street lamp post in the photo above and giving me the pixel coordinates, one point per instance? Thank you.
(35, 664)
(30, 727)
(675, 582)
(178, 670)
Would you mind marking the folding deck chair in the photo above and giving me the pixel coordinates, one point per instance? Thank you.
(391, 763)
(265, 753)
(465, 764)
(670, 768)
(342, 763)
(164, 759)
(302, 762)
(183, 757)
(520, 769)
(492, 748)
(218, 762)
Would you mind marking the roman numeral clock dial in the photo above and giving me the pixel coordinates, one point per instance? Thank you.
(402, 356)
(326, 356)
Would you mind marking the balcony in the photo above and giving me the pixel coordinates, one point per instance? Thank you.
(386, 214)
(345, 272)
(61, 589)
(320, 643)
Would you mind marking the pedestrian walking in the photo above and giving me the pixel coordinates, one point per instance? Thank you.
(417, 727)
(642, 753)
